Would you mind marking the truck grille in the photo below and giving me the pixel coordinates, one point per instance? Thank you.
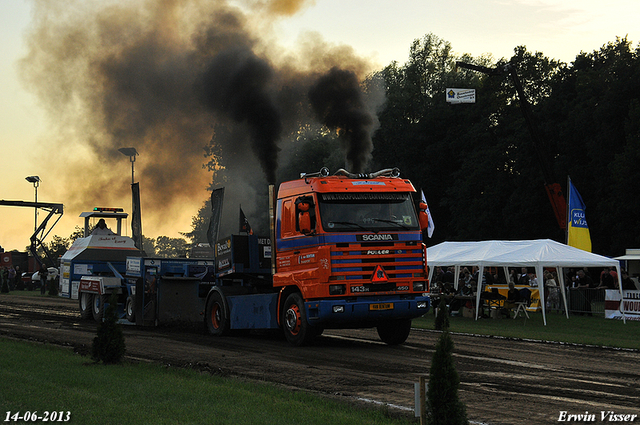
(355, 263)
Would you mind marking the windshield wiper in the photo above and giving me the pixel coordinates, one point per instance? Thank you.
(390, 221)
(349, 223)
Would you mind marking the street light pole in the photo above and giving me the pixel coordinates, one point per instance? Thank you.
(131, 153)
(36, 182)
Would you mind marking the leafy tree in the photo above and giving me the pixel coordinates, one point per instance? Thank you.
(171, 247)
(148, 245)
(200, 224)
(481, 171)
(478, 165)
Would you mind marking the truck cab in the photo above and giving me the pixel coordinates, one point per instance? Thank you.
(92, 268)
(349, 253)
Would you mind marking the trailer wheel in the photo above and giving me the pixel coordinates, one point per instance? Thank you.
(130, 308)
(294, 320)
(394, 332)
(216, 317)
(85, 300)
(97, 307)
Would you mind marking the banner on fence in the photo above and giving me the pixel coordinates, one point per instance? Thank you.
(615, 305)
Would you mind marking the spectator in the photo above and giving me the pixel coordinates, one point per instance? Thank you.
(585, 285)
(4, 284)
(12, 278)
(551, 291)
(447, 277)
(627, 282)
(606, 280)
(43, 272)
(523, 278)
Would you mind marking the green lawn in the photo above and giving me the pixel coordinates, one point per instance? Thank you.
(46, 378)
(594, 330)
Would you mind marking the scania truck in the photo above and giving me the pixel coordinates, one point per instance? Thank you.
(345, 251)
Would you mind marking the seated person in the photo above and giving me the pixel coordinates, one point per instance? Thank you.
(102, 229)
(513, 296)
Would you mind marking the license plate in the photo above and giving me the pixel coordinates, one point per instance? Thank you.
(381, 306)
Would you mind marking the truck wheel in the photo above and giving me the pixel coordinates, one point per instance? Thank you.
(394, 332)
(130, 308)
(97, 307)
(216, 317)
(86, 301)
(294, 320)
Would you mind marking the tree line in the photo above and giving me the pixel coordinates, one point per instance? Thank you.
(476, 163)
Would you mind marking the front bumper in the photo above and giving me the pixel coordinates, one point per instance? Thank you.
(353, 311)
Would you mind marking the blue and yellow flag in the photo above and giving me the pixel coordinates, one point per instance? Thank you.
(578, 231)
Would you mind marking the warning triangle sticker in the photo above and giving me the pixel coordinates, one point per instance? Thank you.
(379, 275)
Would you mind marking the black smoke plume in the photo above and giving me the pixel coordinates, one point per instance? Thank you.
(236, 83)
(338, 103)
(178, 80)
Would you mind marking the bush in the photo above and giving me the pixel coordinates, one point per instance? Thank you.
(443, 405)
(109, 346)
(442, 318)
(53, 287)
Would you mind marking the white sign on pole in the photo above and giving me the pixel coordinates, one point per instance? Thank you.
(461, 95)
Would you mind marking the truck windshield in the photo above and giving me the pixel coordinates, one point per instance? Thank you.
(341, 212)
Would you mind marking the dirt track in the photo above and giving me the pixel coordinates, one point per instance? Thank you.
(502, 381)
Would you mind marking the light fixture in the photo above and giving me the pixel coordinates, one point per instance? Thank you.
(131, 153)
(36, 182)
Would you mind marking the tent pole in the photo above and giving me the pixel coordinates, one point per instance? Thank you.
(563, 289)
(540, 273)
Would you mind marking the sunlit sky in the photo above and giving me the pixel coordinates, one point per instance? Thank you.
(377, 29)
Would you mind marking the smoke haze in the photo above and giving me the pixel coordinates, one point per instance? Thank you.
(173, 78)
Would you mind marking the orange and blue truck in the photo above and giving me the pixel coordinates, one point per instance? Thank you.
(344, 251)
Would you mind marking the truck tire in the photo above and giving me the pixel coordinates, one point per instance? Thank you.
(394, 332)
(97, 307)
(294, 322)
(130, 308)
(216, 316)
(85, 300)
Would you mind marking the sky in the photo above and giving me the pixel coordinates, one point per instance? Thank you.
(378, 31)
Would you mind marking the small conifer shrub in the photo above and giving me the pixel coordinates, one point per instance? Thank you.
(443, 405)
(109, 346)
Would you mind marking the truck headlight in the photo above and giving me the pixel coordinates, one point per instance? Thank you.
(338, 309)
(422, 304)
(419, 286)
(337, 289)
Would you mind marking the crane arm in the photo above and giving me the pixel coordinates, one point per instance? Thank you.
(47, 206)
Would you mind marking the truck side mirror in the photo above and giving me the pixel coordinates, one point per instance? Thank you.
(423, 218)
(304, 219)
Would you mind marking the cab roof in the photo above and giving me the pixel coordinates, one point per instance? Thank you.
(328, 184)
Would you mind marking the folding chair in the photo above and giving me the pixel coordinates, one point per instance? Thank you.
(523, 302)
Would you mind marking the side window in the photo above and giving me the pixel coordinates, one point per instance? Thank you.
(287, 220)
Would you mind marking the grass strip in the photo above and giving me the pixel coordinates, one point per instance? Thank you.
(37, 377)
(589, 330)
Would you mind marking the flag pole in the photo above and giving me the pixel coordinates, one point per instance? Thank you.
(566, 233)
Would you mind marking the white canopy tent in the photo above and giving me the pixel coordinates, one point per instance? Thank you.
(533, 253)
